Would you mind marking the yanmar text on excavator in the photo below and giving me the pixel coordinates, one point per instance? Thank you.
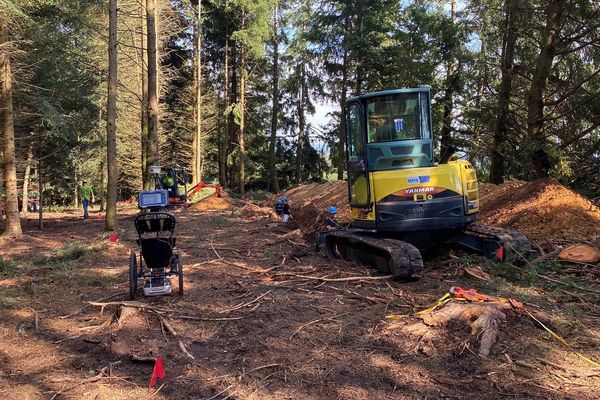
(401, 200)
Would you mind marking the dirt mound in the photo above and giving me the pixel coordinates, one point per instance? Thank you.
(309, 203)
(542, 209)
(212, 203)
(253, 211)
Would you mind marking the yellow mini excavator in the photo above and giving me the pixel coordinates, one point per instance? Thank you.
(401, 200)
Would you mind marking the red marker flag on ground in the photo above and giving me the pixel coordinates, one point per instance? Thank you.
(113, 238)
(500, 253)
(158, 372)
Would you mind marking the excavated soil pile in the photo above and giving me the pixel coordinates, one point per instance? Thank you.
(253, 211)
(542, 209)
(212, 203)
(309, 203)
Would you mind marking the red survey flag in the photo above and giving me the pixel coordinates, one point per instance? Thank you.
(500, 253)
(158, 372)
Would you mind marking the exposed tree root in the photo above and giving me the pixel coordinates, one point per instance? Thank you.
(482, 318)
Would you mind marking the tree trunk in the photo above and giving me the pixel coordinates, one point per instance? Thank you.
(152, 154)
(102, 185)
(224, 142)
(535, 100)
(233, 134)
(110, 221)
(13, 222)
(502, 110)
(452, 71)
(144, 105)
(273, 181)
(342, 131)
(76, 172)
(40, 187)
(26, 177)
(197, 139)
(242, 117)
(301, 122)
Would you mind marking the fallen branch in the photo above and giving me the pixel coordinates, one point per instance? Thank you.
(242, 305)
(101, 374)
(67, 338)
(220, 393)
(261, 367)
(313, 322)
(135, 304)
(552, 364)
(546, 256)
(525, 364)
(205, 319)
(157, 390)
(168, 326)
(109, 297)
(150, 360)
(348, 279)
(185, 351)
(259, 270)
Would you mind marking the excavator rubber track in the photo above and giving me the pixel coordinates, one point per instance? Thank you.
(389, 256)
(487, 240)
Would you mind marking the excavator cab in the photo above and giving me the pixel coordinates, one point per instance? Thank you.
(174, 181)
(386, 131)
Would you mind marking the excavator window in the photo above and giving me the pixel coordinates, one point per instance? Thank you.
(393, 117)
(355, 141)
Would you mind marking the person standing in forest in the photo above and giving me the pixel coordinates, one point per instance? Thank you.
(87, 194)
(286, 209)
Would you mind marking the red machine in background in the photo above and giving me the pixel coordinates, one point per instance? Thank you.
(175, 181)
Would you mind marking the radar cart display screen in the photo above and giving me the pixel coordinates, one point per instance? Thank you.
(153, 198)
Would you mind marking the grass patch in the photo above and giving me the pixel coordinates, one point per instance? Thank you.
(69, 253)
(258, 195)
(219, 221)
(10, 296)
(6, 266)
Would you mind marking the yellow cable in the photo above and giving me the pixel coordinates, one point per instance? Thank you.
(440, 302)
(563, 341)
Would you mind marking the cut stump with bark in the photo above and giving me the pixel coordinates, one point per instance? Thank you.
(483, 319)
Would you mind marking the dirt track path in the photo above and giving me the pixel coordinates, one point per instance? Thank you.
(265, 335)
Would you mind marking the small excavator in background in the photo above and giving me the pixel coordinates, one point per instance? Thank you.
(401, 200)
(175, 180)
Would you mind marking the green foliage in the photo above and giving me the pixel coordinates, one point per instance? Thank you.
(6, 266)
(71, 252)
(329, 51)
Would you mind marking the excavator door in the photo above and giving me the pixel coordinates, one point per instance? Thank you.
(358, 176)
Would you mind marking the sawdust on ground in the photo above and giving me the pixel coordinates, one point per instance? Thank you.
(542, 209)
(212, 203)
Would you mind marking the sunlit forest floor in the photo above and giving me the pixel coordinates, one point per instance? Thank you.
(265, 331)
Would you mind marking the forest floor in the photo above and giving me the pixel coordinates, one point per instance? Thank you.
(271, 321)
